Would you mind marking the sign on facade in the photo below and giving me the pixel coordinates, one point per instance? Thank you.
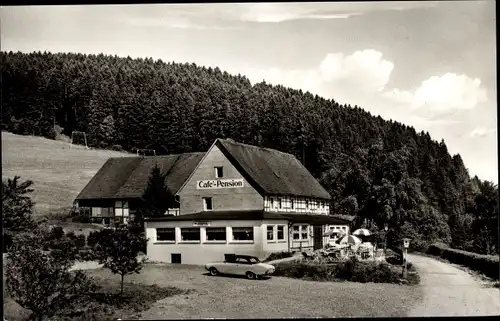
(201, 223)
(220, 183)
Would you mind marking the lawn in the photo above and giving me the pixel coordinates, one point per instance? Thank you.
(276, 297)
(186, 292)
(105, 304)
(59, 172)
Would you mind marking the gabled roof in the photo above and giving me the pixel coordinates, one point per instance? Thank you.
(315, 219)
(127, 177)
(272, 172)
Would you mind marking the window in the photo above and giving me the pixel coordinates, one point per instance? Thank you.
(165, 234)
(207, 203)
(242, 260)
(304, 232)
(343, 228)
(300, 232)
(270, 232)
(219, 172)
(243, 233)
(176, 258)
(281, 232)
(190, 234)
(216, 233)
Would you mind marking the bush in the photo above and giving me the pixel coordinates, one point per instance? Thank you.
(41, 282)
(487, 264)
(349, 270)
(300, 270)
(118, 148)
(278, 255)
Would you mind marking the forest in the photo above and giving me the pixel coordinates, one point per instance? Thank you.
(381, 171)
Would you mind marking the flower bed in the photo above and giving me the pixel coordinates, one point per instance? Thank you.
(349, 270)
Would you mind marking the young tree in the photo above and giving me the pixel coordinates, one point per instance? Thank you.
(39, 281)
(157, 198)
(17, 208)
(118, 251)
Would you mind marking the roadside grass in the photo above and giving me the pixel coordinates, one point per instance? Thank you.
(105, 303)
(59, 172)
(487, 281)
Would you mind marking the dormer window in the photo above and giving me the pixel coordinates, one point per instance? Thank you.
(219, 173)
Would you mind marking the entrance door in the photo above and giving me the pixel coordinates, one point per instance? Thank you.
(318, 237)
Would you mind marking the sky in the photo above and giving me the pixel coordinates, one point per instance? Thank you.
(427, 64)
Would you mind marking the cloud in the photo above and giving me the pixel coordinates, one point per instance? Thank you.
(279, 12)
(226, 15)
(366, 70)
(337, 75)
(480, 132)
(439, 95)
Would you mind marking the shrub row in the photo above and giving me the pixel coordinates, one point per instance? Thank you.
(278, 255)
(349, 270)
(487, 264)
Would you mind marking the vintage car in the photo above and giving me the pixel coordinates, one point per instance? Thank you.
(246, 265)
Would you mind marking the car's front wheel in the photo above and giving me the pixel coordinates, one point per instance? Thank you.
(213, 271)
(250, 275)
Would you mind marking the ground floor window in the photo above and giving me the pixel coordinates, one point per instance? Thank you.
(243, 233)
(216, 233)
(190, 234)
(270, 232)
(300, 232)
(281, 232)
(165, 234)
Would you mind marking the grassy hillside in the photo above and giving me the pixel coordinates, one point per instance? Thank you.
(59, 172)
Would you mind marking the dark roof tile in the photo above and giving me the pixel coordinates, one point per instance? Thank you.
(271, 171)
(127, 177)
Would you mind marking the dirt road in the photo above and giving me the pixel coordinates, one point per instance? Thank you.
(449, 291)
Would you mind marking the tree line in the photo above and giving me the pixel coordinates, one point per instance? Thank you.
(383, 172)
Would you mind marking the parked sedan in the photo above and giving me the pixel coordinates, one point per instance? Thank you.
(246, 265)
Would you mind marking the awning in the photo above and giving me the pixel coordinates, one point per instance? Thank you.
(318, 219)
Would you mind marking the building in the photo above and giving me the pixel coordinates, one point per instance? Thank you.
(115, 191)
(233, 199)
(242, 199)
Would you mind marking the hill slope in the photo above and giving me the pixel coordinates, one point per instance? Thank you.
(59, 172)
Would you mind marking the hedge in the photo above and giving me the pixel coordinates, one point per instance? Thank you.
(487, 264)
(349, 270)
(278, 255)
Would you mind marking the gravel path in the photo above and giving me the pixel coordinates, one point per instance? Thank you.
(276, 297)
(449, 291)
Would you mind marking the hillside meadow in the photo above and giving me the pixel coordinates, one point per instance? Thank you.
(59, 172)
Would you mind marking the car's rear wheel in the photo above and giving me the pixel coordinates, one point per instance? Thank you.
(213, 271)
(250, 275)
